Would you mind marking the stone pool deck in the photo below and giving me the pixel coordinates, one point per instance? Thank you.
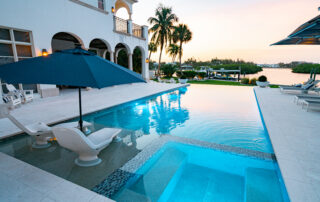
(57, 109)
(20, 181)
(295, 136)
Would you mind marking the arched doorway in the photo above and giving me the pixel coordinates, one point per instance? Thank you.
(101, 48)
(138, 60)
(64, 40)
(122, 55)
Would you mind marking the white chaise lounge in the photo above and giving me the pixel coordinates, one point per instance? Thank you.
(12, 100)
(41, 131)
(27, 95)
(313, 104)
(87, 147)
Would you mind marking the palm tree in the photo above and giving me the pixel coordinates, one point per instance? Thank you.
(162, 27)
(181, 35)
(152, 49)
(173, 51)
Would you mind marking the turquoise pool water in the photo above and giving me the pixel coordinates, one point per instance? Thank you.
(179, 172)
(219, 114)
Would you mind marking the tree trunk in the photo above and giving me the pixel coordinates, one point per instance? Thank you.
(180, 56)
(161, 48)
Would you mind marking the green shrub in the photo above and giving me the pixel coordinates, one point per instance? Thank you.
(244, 81)
(253, 81)
(262, 78)
(189, 74)
(179, 73)
(306, 68)
(245, 68)
(168, 70)
(201, 74)
(183, 77)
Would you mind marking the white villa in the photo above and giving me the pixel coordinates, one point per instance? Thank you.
(31, 28)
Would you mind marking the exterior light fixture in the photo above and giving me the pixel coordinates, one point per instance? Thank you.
(147, 60)
(45, 52)
(113, 10)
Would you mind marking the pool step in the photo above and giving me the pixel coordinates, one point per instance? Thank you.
(154, 182)
(262, 185)
(128, 195)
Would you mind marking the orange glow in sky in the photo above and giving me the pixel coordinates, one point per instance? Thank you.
(239, 28)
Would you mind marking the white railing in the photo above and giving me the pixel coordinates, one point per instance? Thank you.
(137, 30)
(120, 25)
(127, 27)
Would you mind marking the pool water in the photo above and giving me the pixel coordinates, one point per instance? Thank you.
(220, 114)
(179, 172)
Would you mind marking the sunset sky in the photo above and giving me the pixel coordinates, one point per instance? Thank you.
(239, 28)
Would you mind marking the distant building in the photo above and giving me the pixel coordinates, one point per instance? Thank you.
(187, 68)
(269, 65)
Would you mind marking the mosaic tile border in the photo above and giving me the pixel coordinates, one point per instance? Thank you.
(113, 183)
(120, 177)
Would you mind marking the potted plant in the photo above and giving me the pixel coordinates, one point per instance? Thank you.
(183, 79)
(262, 81)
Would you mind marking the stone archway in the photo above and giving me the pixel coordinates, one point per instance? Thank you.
(101, 48)
(123, 55)
(64, 40)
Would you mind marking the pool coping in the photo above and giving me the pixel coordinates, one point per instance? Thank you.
(117, 180)
(294, 140)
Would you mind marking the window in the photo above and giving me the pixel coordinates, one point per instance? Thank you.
(101, 4)
(15, 45)
(24, 51)
(4, 34)
(21, 36)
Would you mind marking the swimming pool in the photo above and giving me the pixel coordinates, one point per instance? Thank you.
(180, 172)
(220, 114)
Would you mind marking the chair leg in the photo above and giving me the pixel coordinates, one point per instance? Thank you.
(41, 142)
(85, 161)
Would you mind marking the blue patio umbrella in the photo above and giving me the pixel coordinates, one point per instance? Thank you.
(74, 67)
(306, 34)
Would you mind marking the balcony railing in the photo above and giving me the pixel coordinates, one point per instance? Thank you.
(137, 30)
(120, 25)
(127, 27)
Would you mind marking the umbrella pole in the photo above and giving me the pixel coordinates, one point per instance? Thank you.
(80, 111)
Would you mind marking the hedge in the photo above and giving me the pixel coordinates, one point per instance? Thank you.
(306, 68)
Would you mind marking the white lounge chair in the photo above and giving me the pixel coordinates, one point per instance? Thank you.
(303, 88)
(172, 80)
(160, 80)
(313, 104)
(87, 147)
(27, 95)
(41, 131)
(298, 98)
(12, 100)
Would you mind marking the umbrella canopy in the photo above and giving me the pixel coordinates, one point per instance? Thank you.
(306, 34)
(74, 67)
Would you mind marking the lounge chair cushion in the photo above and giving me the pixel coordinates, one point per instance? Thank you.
(103, 135)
